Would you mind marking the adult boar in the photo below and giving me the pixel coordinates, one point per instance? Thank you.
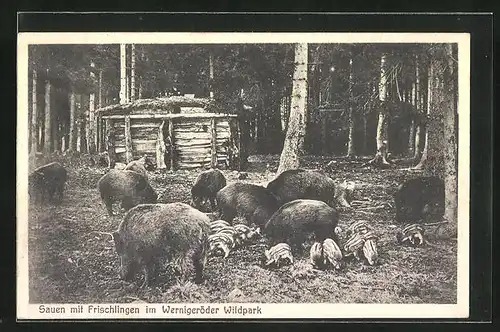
(295, 221)
(46, 183)
(206, 186)
(255, 203)
(151, 233)
(420, 199)
(303, 184)
(125, 186)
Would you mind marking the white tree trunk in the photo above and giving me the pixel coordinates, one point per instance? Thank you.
(382, 125)
(211, 69)
(72, 122)
(132, 73)
(34, 115)
(91, 139)
(295, 134)
(430, 96)
(123, 73)
(47, 144)
(419, 106)
(350, 143)
(411, 134)
(450, 150)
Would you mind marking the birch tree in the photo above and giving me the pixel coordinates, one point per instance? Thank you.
(431, 159)
(295, 134)
(350, 142)
(450, 107)
(382, 125)
(47, 144)
(34, 115)
(123, 73)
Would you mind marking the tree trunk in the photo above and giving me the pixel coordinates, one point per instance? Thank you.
(72, 122)
(450, 139)
(99, 101)
(350, 143)
(411, 131)
(91, 125)
(47, 144)
(56, 131)
(132, 73)
(211, 71)
(418, 105)
(431, 156)
(140, 88)
(123, 73)
(365, 133)
(294, 139)
(382, 126)
(34, 115)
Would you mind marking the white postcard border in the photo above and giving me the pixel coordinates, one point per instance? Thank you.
(294, 311)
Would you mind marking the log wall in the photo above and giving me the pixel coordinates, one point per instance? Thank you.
(185, 141)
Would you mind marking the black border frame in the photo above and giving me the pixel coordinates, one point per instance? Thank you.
(480, 26)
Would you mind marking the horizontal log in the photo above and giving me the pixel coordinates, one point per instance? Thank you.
(189, 110)
(143, 133)
(195, 159)
(145, 124)
(183, 154)
(198, 143)
(192, 135)
(141, 145)
(190, 166)
(172, 116)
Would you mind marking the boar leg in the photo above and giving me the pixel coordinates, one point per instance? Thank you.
(149, 274)
(109, 205)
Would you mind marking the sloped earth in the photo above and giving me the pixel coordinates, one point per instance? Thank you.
(71, 262)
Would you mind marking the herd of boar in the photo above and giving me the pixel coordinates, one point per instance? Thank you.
(294, 207)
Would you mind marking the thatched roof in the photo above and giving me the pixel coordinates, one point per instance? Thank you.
(158, 103)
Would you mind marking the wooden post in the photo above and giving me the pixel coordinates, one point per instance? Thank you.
(98, 132)
(160, 148)
(172, 144)
(213, 123)
(110, 143)
(101, 132)
(128, 140)
(34, 115)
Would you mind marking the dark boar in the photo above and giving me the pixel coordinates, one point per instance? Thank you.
(296, 220)
(206, 186)
(255, 203)
(138, 166)
(420, 199)
(303, 184)
(151, 233)
(128, 187)
(46, 183)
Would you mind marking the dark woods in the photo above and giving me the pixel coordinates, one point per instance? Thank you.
(344, 99)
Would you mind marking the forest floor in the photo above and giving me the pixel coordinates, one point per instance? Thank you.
(69, 262)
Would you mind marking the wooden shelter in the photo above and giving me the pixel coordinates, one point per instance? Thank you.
(176, 132)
